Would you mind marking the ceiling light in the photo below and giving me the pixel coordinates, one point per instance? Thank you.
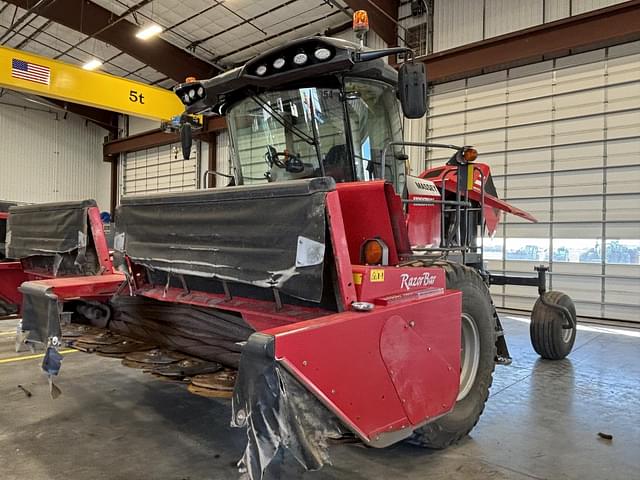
(148, 31)
(300, 58)
(261, 70)
(278, 63)
(92, 64)
(322, 53)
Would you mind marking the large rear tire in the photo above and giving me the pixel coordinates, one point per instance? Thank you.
(477, 361)
(548, 337)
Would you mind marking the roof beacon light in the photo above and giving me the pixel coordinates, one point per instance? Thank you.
(470, 154)
(322, 53)
(261, 70)
(300, 58)
(149, 31)
(360, 22)
(278, 63)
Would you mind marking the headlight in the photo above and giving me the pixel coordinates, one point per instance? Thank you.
(261, 70)
(278, 63)
(322, 53)
(374, 252)
(192, 93)
(300, 58)
(185, 98)
(200, 92)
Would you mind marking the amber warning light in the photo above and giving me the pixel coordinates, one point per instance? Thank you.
(360, 21)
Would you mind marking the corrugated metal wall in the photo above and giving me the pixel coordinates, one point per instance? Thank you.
(563, 140)
(459, 22)
(47, 158)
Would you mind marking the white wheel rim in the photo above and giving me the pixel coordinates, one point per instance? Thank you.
(469, 355)
(566, 334)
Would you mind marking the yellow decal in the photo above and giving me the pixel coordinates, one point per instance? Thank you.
(377, 275)
(470, 177)
(357, 278)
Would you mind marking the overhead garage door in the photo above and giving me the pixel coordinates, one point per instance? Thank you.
(563, 140)
(159, 169)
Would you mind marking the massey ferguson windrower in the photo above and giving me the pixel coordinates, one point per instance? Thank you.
(351, 297)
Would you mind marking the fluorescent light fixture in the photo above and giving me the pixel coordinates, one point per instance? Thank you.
(145, 33)
(92, 64)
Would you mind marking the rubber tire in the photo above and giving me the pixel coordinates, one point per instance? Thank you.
(476, 301)
(546, 327)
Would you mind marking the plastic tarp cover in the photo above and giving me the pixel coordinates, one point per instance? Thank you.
(4, 207)
(271, 236)
(40, 315)
(48, 229)
(278, 413)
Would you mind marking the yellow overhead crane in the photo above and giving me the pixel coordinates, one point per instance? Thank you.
(30, 73)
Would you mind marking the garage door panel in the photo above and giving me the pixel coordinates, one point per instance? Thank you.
(529, 161)
(491, 141)
(577, 268)
(578, 182)
(623, 207)
(526, 230)
(579, 209)
(572, 157)
(628, 230)
(568, 148)
(623, 152)
(624, 124)
(530, 111)
(623, 180)
(587, 102)
(579, 288)
(622, 291)
(522, 186)
(486, 118)
(538, 207)
(589, 129)
(529, 136)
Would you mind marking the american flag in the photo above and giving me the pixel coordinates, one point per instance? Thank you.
(30, 71)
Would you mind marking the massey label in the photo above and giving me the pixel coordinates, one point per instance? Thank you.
(419, 186)
(412, 281)
(376, 276)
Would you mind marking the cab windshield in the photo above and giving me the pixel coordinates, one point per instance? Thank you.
(313, 132)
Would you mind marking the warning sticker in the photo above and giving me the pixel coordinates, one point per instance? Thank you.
(376, 275)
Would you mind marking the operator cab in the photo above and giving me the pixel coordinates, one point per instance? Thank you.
(316, 107)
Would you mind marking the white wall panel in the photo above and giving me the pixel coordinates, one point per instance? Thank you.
(456, 22)
(563, 140)
(47, 158)
(459, 22)
(503, 16)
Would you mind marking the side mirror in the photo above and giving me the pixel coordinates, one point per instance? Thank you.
(186, 140)
(412, 89)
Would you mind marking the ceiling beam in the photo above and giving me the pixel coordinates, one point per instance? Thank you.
(91, 19)
(383, 17)
(103, 118)
(156, 138)
(589, 31)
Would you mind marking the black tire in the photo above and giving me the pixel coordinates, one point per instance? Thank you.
(548, 338)
(476, 304)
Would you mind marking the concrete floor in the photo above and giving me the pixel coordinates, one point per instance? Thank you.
(112, 422)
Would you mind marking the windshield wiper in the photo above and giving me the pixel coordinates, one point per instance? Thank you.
(283, 121)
